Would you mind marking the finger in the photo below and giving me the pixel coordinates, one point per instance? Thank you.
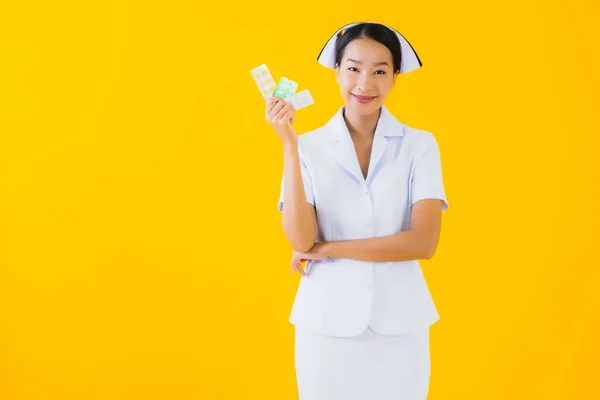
(272, 101)
(292, 113)
(270, 104)
(298, 267)
(286, 117)
(268, 115)
(301, 270)
(275, 110)
(286, 107)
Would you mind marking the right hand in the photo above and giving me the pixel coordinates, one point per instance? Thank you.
(280, 115)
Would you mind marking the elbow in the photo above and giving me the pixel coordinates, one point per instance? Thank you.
(301, 242)
(428, 251)
(301, 239)
(304, 242)
(428, 255)
(303, 247)
(424, 244)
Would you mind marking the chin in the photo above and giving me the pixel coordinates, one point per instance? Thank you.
(363, 109)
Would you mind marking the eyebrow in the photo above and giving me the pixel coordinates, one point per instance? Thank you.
(375, 64)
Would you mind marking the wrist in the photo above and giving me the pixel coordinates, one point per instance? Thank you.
(325, 248)
(291, 143)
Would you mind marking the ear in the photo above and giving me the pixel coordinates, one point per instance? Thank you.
(337, 71)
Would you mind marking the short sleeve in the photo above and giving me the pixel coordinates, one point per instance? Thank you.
(427, 182)
(308, 191)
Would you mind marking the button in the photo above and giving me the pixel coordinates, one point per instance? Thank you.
(369, 286)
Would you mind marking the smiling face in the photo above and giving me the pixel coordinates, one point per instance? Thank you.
(365, 75)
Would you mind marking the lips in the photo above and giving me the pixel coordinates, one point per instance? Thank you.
(363, 99)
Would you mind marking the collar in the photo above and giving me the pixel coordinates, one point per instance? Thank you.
(344, 152)
(387, 125)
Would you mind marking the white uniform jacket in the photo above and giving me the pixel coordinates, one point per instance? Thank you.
(342, 297)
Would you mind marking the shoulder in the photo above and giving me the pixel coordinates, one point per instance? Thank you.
(323, 134)
(417, 135)
(418, 140)
(315, 144)
(315, 137)
(413, 138)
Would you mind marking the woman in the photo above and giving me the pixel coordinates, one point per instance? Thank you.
(362, 198)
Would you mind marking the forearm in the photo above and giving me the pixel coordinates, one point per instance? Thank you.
(403, 246)
(299, 220)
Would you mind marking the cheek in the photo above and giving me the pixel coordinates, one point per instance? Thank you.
(385, 86)
(346, 81)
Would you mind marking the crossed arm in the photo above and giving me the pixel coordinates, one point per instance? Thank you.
(419, 242)
(300, 226)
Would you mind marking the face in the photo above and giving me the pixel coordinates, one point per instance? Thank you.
(365, 75)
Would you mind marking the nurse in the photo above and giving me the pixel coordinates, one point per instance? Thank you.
(361, 201)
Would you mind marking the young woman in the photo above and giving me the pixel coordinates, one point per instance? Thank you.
(361, 198)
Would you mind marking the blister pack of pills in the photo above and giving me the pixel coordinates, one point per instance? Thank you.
(285, 89)
(264, 81)
(301, 100)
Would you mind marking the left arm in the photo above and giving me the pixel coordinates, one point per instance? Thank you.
(419, 242)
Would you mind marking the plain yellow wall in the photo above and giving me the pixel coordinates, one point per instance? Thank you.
(142, 251)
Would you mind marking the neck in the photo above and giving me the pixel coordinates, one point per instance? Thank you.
(362, 126)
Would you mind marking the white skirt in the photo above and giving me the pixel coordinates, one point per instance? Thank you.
(367, 367)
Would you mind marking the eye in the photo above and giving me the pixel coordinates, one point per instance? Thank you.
(382, 72)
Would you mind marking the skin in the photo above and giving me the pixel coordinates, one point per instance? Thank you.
(366, 69)
(299, 218)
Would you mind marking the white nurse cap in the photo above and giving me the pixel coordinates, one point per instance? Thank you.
(410, 60)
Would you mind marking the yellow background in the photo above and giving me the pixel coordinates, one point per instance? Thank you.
(142, 253)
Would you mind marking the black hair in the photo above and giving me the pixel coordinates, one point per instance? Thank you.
(370, 30)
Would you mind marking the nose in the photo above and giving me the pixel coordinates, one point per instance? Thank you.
(365, 82)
